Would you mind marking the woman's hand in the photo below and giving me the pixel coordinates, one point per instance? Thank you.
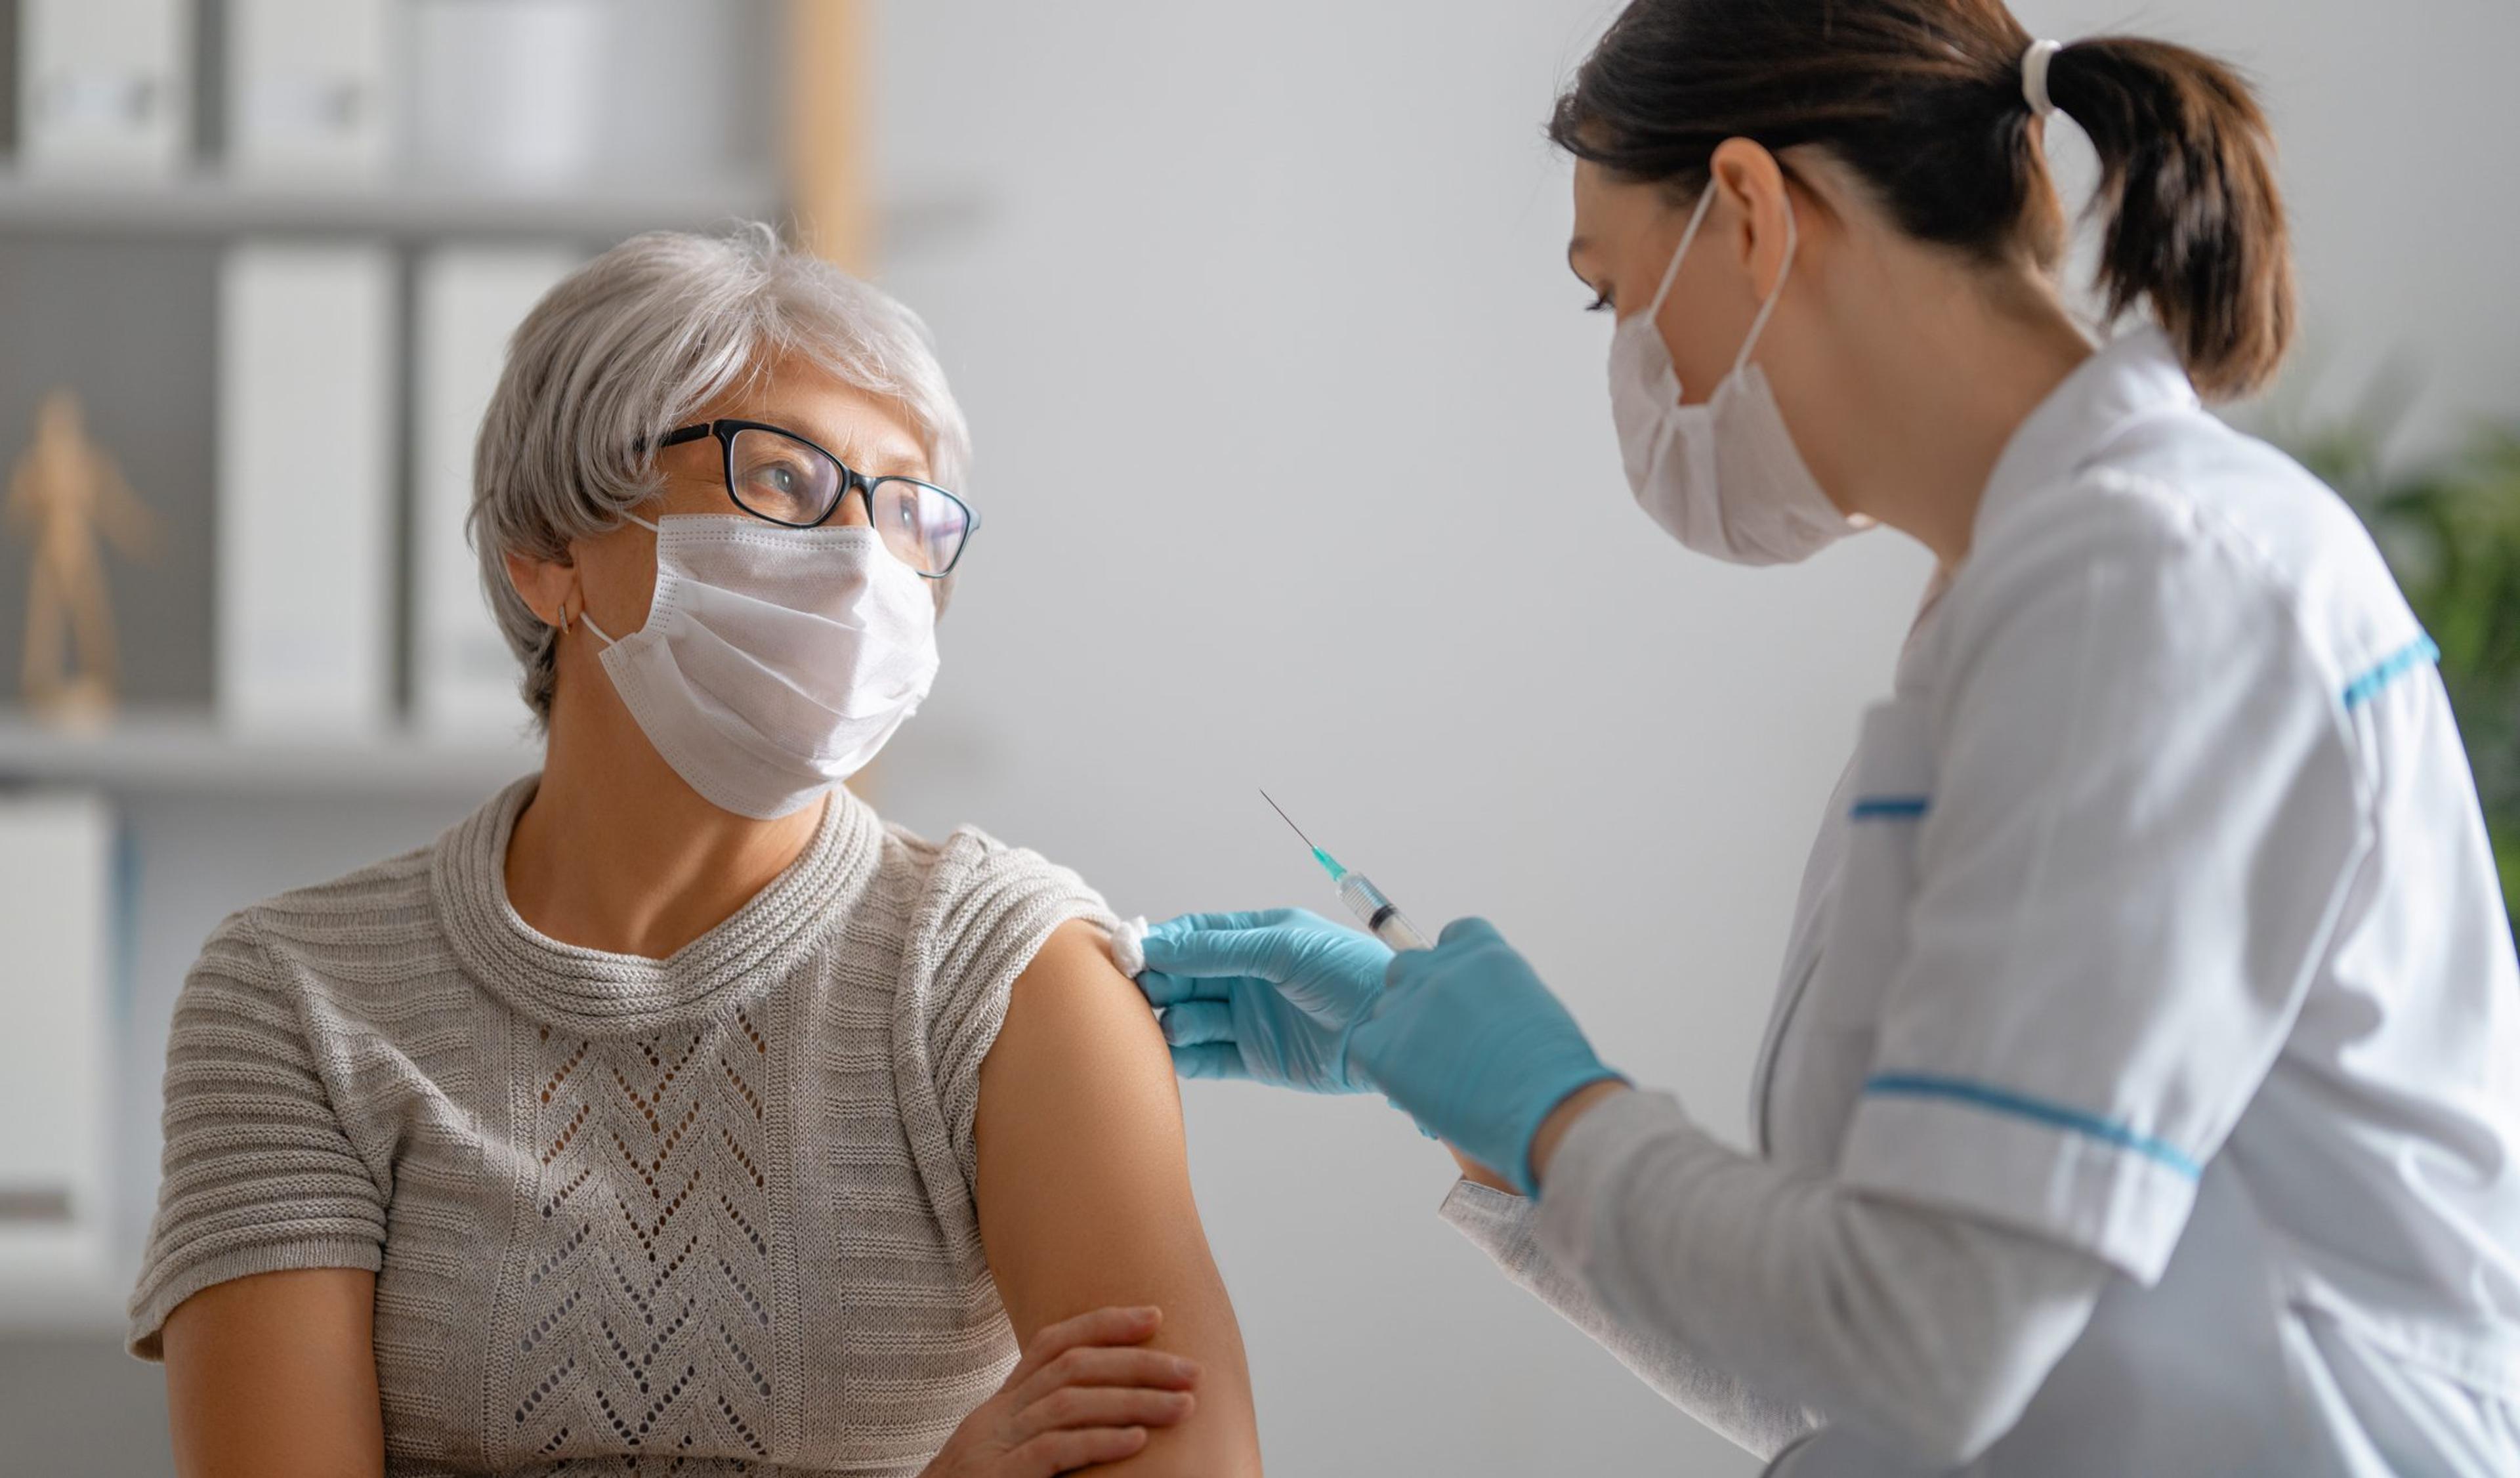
(1269, 996)
(1080, 1396)
(1467, 1039)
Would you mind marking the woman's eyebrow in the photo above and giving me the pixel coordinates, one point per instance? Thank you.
(881, 458)
(888, 459)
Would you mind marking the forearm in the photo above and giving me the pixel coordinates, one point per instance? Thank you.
(1504, 1226)
(1930, 1330)
(1045, 1279)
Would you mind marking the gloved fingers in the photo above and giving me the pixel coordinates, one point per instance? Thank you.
(1162, 988)
(1194, 1023)
(1335, 988)
(1214, 1059)
(1263, 952)
(1460, 938)
(1181, 925)
(1363, 1048)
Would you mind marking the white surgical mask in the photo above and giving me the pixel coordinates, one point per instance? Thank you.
(1723, 476)
(774, 661)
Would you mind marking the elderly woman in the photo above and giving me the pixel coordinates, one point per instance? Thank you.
(673, 1113)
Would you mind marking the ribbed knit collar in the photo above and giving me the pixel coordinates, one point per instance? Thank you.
(597, 994)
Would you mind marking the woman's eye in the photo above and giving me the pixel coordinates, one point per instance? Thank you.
(1600, 303)
(777, 480)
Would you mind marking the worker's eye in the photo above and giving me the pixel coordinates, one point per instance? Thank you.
(1600, 303)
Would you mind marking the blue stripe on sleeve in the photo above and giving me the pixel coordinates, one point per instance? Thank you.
(2054, 1115)
(1870, 807)
(2398, 663)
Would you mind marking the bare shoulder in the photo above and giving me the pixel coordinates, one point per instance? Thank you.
(275, 1375)
(1079, 1112)
(1073, 1015)
(1084, 1188)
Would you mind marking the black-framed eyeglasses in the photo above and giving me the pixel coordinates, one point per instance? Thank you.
(780, 477)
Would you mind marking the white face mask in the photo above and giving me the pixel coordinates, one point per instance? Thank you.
(1722, 477)
(775, 661)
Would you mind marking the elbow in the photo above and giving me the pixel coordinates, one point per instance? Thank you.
(1942, 1395)
(1953, 1428)
(1956, 1329)
(1951, 1399)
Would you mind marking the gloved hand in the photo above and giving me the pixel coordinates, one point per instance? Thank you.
(1466, 1039)
(1268, 995)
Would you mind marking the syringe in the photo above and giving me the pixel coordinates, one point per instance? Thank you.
(1380, 915)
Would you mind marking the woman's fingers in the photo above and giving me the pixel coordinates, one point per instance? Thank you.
(1193, 1023)
(1214, 952)
(1212, 1060)
(1162, 989)
(1053, 1452)
(1261, 950)
(1089, 1367)
(1115, 1325)
(1237, 919)
(1080, 1408)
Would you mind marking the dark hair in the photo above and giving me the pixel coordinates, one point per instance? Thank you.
(1923, 100)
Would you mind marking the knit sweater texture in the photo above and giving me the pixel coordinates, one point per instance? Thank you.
(706, 1215)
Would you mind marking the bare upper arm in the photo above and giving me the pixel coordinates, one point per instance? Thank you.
(275, 1376)
(1084, 1190)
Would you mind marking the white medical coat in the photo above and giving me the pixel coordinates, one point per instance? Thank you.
(2153, 923)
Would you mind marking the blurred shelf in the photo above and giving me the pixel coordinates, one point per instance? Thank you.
(48, 1306)
(208, 204)
(191, 754)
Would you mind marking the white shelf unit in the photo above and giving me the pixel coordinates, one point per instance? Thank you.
(211, 819)
(180, 753)
(208, 204)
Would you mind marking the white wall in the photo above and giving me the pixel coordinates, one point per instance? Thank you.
(1298, 472)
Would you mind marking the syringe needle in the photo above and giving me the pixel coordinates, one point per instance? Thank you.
(1288, 820)
(1328, 863)
(1367, 902)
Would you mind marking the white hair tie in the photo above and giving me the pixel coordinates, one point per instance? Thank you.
(2033, 76)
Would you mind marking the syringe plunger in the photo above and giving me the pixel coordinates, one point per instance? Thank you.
(1379, 915)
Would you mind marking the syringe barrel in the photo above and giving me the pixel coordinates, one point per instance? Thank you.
(1379, 915)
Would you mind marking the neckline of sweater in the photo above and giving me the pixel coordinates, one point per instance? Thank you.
(596, 993)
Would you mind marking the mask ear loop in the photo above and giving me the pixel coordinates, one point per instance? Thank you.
(1671, 274)
(587, 616)
(1759, 325)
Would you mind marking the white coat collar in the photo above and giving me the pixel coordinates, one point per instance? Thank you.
(2134, 375)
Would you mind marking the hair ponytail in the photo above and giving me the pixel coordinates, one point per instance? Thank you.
(2195, 223)
(1925, 100)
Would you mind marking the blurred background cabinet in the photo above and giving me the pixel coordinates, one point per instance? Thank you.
(274, 249)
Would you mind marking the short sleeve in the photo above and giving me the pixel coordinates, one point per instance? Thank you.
(986, 912)
(2143, 824)
(257, 1174)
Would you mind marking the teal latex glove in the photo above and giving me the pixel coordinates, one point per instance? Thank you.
(1466, 1039)
(1269, 996)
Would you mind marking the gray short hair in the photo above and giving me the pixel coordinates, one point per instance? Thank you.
(627, 348)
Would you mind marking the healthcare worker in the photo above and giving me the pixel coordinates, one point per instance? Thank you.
(2143, 1091)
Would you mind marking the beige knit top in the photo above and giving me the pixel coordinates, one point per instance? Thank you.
(710, 1214)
